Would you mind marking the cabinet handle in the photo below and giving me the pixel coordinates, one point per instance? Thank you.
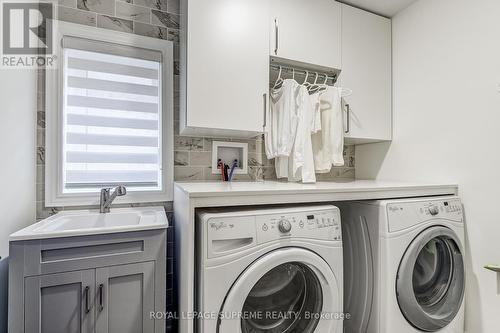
(265, 109)
(493, 268)
(348, 115)
(101, 287)
(87, 306)
(276, 37)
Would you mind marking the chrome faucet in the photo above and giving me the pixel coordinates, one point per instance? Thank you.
(107, 199)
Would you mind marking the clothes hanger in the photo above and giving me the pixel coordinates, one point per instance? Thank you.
(325, 86)
(279, 80)
(306, 83)
(314, 87)
(320, 87)
(317, 86)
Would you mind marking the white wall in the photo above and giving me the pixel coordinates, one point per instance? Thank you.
(446, 57)
(17, 163)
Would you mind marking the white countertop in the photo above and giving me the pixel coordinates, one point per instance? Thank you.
(218, 189)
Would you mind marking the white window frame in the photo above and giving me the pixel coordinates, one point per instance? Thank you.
(54, 195)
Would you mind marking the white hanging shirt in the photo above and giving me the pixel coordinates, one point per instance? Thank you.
(282, 120)
(316, 119)
(328, 144)
(300, 164)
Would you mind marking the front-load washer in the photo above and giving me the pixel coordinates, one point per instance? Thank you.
(269, 271)
(404, 265)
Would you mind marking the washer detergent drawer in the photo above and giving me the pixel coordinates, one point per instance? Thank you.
(226, 235)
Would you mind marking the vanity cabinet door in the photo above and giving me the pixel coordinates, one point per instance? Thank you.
(125, 296)
(306, 31)
(60, 303)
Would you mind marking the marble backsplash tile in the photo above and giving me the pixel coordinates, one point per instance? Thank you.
(76, 16)
(114, 23)
(131, 12)
(153, 31)
(192, 156)
(165, 19)
(156, 4)
(98, 6)
(68, 3)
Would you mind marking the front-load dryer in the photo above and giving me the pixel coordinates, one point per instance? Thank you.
(404, 265)
(269, 271)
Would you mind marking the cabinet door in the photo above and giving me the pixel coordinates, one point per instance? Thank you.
(306, 31)
(366, 69)
(60, 303)
(124, 298)
(227, 69)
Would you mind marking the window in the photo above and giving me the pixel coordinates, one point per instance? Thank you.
(110, 121)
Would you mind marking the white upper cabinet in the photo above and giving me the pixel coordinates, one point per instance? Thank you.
(366, 69)
(306, 31)
(225, 67)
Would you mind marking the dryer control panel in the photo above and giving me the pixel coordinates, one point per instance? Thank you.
(402, 215)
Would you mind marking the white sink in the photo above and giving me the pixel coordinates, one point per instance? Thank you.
(90, 222)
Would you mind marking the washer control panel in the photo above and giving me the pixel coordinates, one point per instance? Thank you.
(227, 233)
(320, 224)
(403, 215)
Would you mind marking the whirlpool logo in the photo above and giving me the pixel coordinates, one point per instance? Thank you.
(28, 34)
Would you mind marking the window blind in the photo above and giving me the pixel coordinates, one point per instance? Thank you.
(111, 116)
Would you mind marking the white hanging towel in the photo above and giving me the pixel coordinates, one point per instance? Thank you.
(328, 144)
(282, 120)
(300, 164)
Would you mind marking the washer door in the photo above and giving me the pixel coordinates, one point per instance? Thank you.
(431, 283)
(289, 290)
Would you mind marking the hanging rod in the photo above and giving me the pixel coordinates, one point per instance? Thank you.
(304, 72)
(302, 68)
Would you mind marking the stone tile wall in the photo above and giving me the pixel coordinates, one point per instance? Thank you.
(157, 19)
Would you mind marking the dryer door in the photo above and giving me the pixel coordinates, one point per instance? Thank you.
(431, 283)
(289, 290)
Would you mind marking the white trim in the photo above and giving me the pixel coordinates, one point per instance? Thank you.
(220, 145)
(54, 195)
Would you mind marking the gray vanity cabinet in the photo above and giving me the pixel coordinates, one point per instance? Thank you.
(88, 284)
(125, 296)
(60, 303)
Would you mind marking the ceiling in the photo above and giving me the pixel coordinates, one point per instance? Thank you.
(387, 8)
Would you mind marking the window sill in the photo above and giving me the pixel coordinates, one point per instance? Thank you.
(91, 199)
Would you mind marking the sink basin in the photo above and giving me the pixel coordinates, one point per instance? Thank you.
(90, 222)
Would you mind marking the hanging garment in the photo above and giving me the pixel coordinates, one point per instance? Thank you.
(316, 119)
(328, 144)
(282, 120)
(300, 164)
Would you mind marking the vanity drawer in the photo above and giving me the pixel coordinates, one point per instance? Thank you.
(48, 256)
